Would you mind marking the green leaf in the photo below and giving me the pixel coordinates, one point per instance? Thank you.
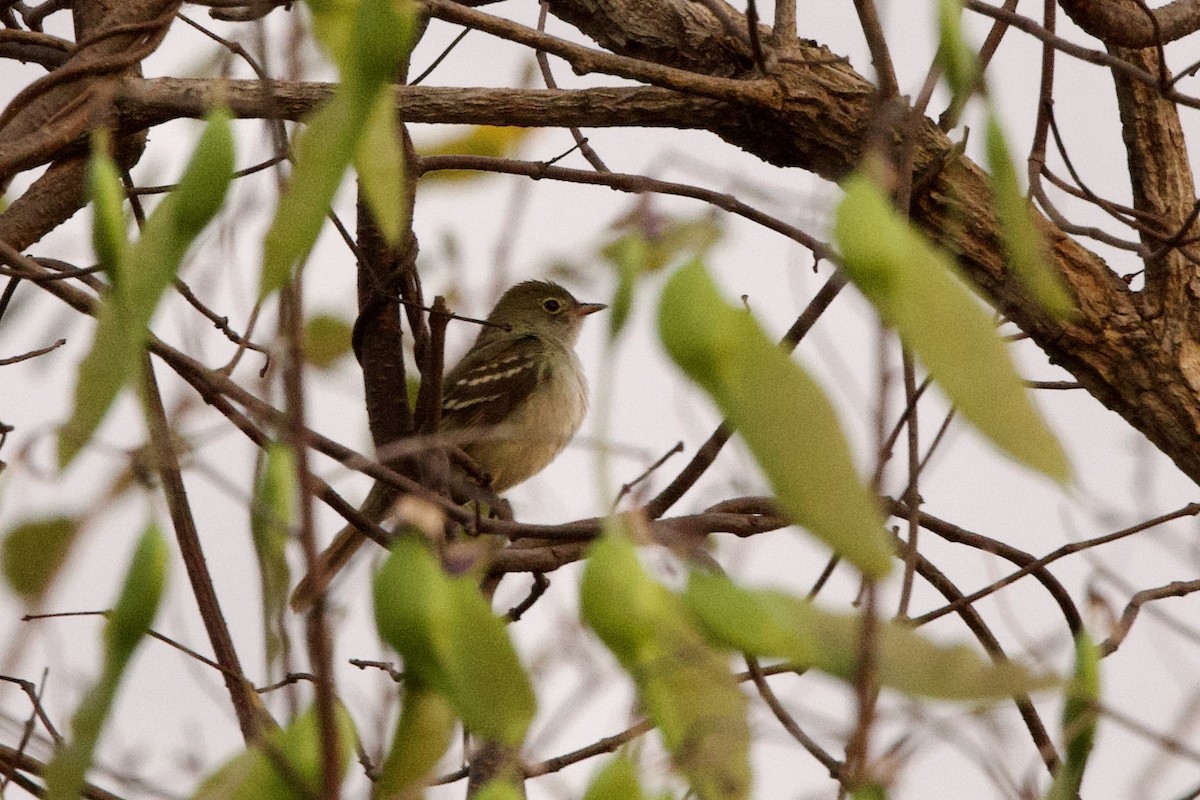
(34, 552)
(781, 413)
(271, 514)
(422, 735)
(323, 150)
(956, 56)
(333, 26)
(66, 772)
(138, 602)
(381, 33)
(618, 780)
(628, 255)
(685, 685)
(381, 39)
(914, 287)
(203, 186)
(101, 375)
(107, 195)
(1080, 716)
(149, 267)
(452, 643)
(650, 242)
(127, 624)
(326, 339)
(491, 141)
(380, 166)
(776, 625)
(498, 790)
(256, 775)
(1023, 240)
(869, 791)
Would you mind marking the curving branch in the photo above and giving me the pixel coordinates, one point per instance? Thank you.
(1128, 23)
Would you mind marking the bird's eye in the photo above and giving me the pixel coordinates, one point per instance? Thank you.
(552, 305)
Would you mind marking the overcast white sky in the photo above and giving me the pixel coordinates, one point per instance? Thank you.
(174, 719)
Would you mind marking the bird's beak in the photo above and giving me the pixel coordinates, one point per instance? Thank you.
(583, 309)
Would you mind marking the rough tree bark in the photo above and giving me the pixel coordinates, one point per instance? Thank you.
(1139, 358)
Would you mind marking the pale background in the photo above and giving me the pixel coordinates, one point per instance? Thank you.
(173, 723)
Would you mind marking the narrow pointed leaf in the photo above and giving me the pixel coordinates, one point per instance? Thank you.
(381, 32)
(1079, 719)
(780, 412)
(107, 196)
(773, 624)
(1023, 240)
(323, 150)
(915, 288)
(147, 269)
(127, 624)
(271, 513)
(451, 642)
(138, 602)
(422, 735)
(257, 775)
(955, 55)
(617, 780)
(684, 684)
(379, 163)
(34, 552)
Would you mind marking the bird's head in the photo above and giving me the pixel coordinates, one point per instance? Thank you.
(542, 308)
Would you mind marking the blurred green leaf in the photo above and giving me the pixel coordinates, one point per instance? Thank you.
(650, 241)
(489, 141)
(256, 775)
(34, 552)
(422, 735)
(333, 26)
(1023, 240)
(685, 685)
(956, 56)
(776, 625)
(452, 643)
(379, 163)
(323, 151)
(198, 198)
(138, 602)
(617, 780)
(107, 195)
(127, 624)
(492, 141)
(915, 288)
(627, 255)
(149, 267)
(101, 375)
(1081, 712)
(498, 790)
(271, 514)
(326, 339)
(782, 414)
(870, 791)
(381, 32)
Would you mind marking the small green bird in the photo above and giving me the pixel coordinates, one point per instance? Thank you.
(520, 387)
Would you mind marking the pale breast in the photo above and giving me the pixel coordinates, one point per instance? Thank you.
(538, 429)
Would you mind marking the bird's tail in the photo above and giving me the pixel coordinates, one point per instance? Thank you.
(339, 553)
(329, 564)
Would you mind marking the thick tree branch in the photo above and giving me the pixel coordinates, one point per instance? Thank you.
(1164, 191)
(144, 103)
(57, 110)
(1128, 23)
(1110, 347)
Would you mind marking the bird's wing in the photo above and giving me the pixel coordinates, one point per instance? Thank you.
(491, 381)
